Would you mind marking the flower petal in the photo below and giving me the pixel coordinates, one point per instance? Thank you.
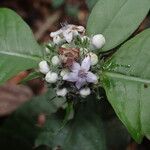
(92, 78)
(75, 67)
(72, 77)
(86, 63)
(80, 83)
(53, 34)
(68, 35)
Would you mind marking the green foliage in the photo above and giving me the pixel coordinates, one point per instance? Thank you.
(126, 79)
(84, 132)
(117, 137)
(18, 49)
(23, 124)
(116, 19)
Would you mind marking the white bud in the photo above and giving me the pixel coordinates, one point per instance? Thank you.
(98, 41)
(47, 50)
(61, 92)
(57, 40)
(84, 92)
(64, 72)
(55, 60)
(94, 58)
(43, 67)
(51, 77)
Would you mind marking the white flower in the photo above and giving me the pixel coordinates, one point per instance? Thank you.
(51, 77)
(64, 72)
(43, 67)
(58, 40)
(84, 92)
(67, 33)
(94, 58)
(98, 41)
(53, 34)
(55, 60)
(61, 92)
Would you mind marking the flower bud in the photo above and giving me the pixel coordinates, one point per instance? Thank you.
(61, 92)
(94, 58)
(84, 92)
(51, 77)
(64, 72)
(98, 41)
(43, 67)
(55, 60)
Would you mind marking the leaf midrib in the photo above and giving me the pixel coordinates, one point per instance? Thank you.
(35, 58)
(125, 77)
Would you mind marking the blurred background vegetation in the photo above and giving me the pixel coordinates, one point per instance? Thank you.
(44, 16)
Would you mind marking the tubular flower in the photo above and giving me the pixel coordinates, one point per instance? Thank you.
(81, 74)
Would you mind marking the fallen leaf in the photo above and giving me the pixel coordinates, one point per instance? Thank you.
(12, 96)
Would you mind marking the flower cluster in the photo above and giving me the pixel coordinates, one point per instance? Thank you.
(71, 63)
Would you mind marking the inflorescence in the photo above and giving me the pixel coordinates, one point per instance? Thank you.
(71, 63)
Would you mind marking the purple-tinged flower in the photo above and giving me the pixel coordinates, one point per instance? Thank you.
(81, 74)
(67, 33)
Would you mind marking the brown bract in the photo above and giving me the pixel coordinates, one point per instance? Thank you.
(68, 55)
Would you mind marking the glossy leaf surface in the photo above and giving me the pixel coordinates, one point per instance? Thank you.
(18, 49)
(117, 19)
(126, 79)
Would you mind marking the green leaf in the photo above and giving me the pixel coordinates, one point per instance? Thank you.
(24, 122)
(84, 132)
(18, 49)
(126, 79)
(117, 137)
(116, 19)
(15, 142)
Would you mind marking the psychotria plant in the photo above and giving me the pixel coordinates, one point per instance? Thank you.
(77, 66)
